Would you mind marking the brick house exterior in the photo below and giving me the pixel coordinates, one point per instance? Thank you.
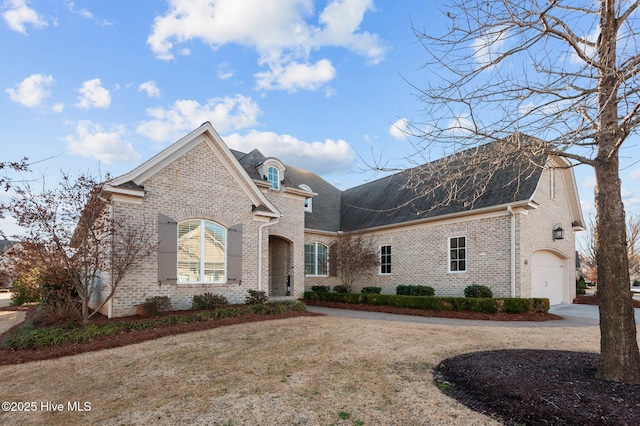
(228, 221)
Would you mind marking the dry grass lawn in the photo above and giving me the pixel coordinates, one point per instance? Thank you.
(300, 371)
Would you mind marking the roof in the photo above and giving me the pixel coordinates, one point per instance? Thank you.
(326, 205)
(474, 179)
(415, 193)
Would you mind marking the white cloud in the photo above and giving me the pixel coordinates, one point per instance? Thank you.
(31, 91)
(461, 126)
(107, 146)
(281, 31)
(58, 107)
(93, 95)
(294, 76)
(399, 129)
(587, 50)
(225, 71)
(17, 14)
(635, 175)
(488, 47)
(225, 114)
(330, 156)
(150, 88)
(82, 12)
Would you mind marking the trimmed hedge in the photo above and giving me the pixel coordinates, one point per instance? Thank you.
(319, 288)
(371, 290)
(429, 303)
(415, 290)
(476, 290)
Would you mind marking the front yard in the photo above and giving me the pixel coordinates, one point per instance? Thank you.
(306, 371)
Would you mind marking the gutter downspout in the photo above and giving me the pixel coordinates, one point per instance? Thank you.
(110, 302)
(513, 251)
(260, 229)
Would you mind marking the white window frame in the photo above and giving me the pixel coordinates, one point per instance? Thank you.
(382, 257)
(275, 184)
(202, 248)
(552, 183)
(315, 264)
(465, 259)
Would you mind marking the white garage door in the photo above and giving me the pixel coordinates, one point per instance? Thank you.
(547, 273)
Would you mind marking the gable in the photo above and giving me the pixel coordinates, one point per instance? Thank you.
(205, 137)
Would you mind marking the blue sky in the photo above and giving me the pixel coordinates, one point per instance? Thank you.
(319, 84)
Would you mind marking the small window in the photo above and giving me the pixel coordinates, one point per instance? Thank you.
(273, 176)
(458, 254)
(552, 183)
(307, 201)
(316, 260)
(385, 260)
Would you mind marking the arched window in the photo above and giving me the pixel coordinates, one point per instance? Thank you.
(273, 176)
(316, 260)
(202, 247)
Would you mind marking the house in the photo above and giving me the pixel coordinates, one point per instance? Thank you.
(228, 221)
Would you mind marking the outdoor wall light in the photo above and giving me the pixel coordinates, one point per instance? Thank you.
(558, 232)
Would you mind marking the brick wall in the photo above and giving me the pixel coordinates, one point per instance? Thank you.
(198, 185)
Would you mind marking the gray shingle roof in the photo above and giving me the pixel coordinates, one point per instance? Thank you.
(415, 194)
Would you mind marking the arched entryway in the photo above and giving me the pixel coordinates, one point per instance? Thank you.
(280, 263)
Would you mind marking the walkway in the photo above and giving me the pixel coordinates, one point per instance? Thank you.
(9, 318)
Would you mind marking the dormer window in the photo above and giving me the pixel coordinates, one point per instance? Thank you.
(272, 171)
(307, 201)
(273, 176)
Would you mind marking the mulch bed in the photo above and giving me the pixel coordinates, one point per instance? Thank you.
(583, 299)
(8, 356)
(502, 316)
(538, 387)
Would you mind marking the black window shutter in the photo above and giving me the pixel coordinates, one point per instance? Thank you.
(234, 253)
(167, 250)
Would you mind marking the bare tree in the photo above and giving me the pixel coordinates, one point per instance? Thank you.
(566, 73)
(18, 166)
(588, 246)
(70, 230)
(352, 257)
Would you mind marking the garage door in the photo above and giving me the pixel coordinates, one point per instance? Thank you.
(547, 276)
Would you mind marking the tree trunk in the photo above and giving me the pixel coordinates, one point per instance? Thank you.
(619, 355)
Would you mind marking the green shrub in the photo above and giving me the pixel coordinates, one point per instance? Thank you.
(476, 290)
(415, 290)
(340, 289)
(581, 286)
(541, 305)
(462, 304)
(156, 304)
(24, 293)
(636, 283)
(256, 297)
(208, 301)
(320, 288)
(516, 305)
(371, 290)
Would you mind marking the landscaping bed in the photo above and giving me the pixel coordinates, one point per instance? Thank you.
(123, 338)
(468, 315)
(538, 387)
(583, 299)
